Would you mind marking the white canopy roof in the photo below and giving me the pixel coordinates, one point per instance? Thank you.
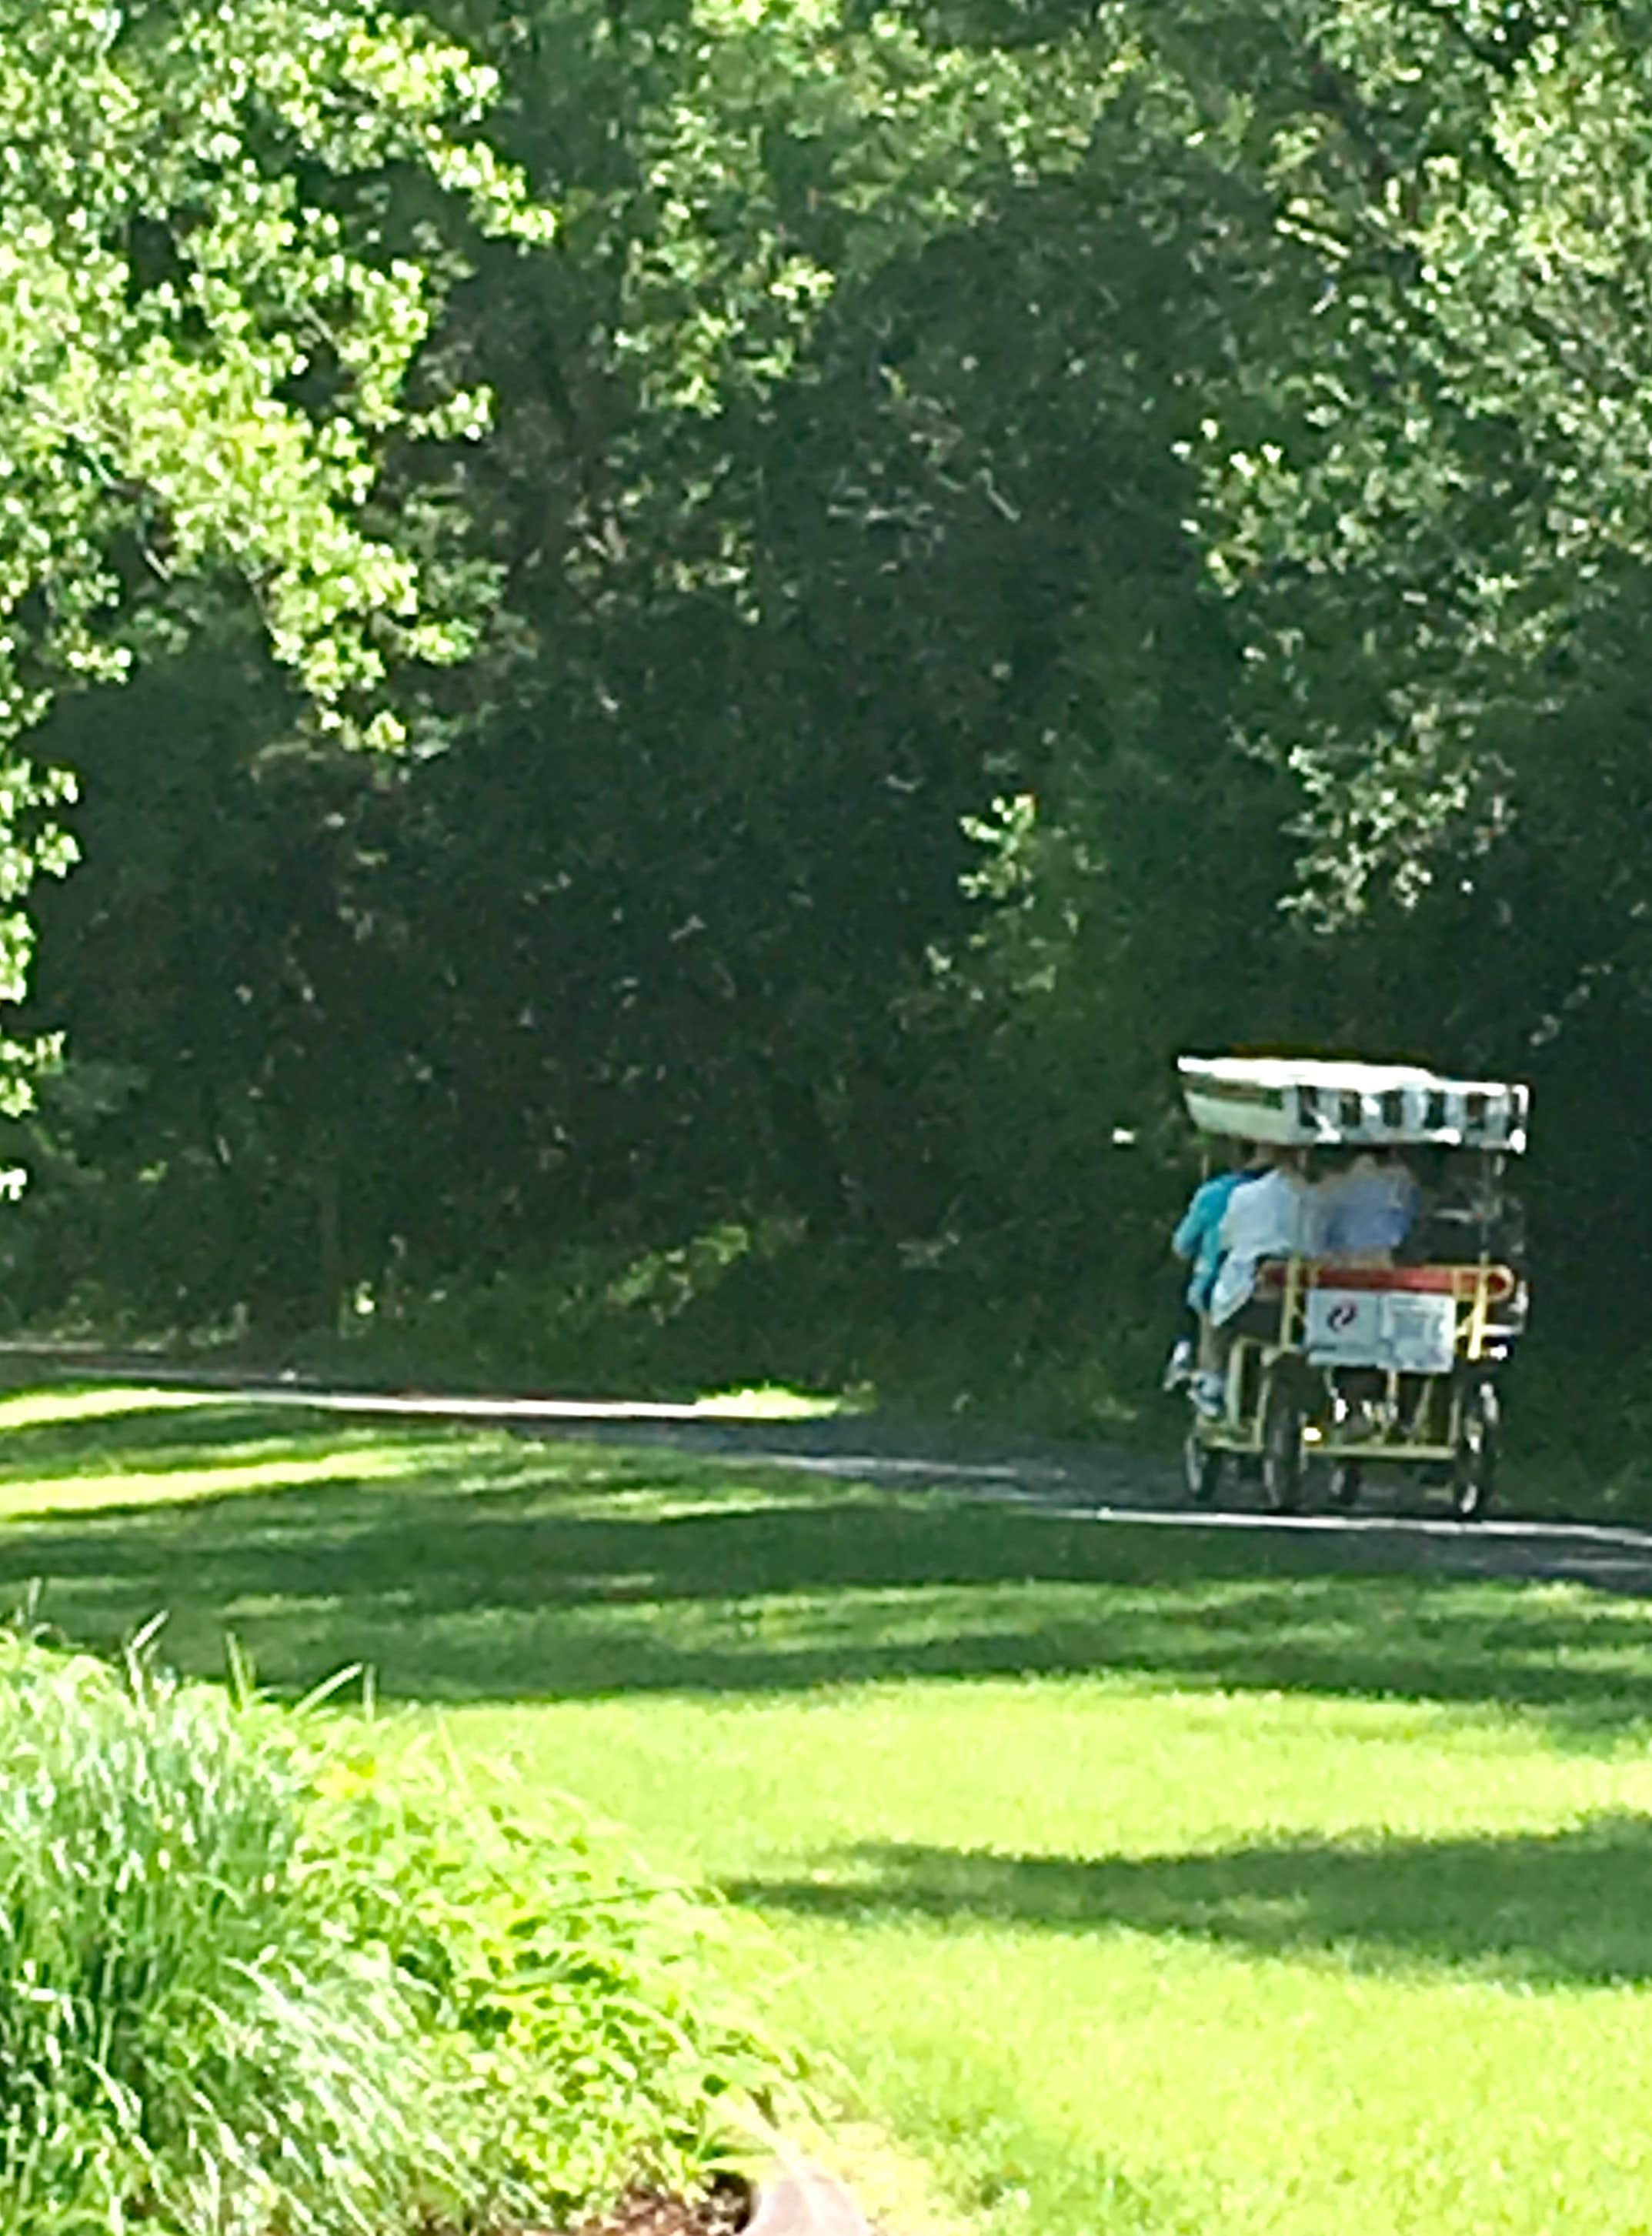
(1301, 1100)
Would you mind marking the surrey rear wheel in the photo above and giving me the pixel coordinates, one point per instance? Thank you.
(1281, 1448)
(1202, 1468)
(1474, 1473)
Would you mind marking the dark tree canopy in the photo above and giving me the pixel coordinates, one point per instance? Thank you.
(985, 542)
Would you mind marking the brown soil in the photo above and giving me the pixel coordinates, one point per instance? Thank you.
(724, 2212)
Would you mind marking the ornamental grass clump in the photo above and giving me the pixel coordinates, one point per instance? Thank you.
(186, 2036)
(251, 1987)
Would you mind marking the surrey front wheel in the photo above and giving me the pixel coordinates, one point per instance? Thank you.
(1281, 1449)
(1474, 1472)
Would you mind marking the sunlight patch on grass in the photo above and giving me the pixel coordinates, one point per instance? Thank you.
(770, 1401)
(37, 1409)
(291, 1470)
(1145, 1962)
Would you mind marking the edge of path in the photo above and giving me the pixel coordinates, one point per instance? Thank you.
(1065, 1480)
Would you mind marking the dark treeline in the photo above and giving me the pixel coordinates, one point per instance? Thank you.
(1015, 538)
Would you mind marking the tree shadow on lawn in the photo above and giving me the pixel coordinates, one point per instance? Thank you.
(497, 1570)
(1570, 1907)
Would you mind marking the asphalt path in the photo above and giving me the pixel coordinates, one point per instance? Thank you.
(1099, 1484)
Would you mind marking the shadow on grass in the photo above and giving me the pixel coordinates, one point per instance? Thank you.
(492, 1568)
(1572, 1906)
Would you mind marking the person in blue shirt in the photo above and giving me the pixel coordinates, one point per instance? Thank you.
(1198, 1235)
(1198, 1240)
(1370, 1209)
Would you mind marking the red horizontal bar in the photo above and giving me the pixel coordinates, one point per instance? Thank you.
(1427, 1280)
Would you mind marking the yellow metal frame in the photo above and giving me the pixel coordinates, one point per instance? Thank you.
(1240, 1430)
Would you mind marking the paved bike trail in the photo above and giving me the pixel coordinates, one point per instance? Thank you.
(1094, 1484)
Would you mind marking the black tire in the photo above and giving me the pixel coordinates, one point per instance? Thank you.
(1347, 1482)
(1474, 1474)
(1202, 1468)
(1281, 1448)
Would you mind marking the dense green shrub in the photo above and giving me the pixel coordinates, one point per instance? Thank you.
(251, 1983)
(588, 2038)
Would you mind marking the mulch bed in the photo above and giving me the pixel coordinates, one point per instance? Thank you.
(725, 2212)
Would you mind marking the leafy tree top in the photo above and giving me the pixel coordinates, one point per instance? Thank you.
(206, 340)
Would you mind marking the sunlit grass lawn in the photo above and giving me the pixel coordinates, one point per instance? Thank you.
(1147, 1881)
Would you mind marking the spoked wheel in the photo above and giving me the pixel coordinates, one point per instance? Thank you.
(1281, 1448)
(1348, 1481)
(1203, 1467)
(1474, 1472)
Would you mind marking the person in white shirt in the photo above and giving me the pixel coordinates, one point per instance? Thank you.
(1278, 1216)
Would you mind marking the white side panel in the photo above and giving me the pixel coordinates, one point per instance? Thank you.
(1344, 1327)
(1421, 1334)
(1396, 1330)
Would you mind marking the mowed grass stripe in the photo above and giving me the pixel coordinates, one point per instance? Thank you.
(1145, 1880)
